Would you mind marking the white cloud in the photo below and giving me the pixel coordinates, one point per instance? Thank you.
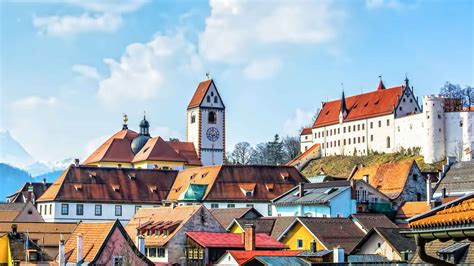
(166, 133)
(390, 4)
(293, 125)
(109, 6)
(239, 30)
(34, 102)
(140, 73)
(63, 26)
(86, 71)
(262, 69)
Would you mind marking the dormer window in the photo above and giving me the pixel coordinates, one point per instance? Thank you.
(247, 189)
(285, 176)
(78, 187)
(269, 187)
(132, 176)
(116, 188)
(153, 188)
(92, 174)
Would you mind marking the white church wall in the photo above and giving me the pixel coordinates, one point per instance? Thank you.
(192, 134)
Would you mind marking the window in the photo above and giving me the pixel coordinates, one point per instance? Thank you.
(363, 139)
(418, 196)
(339, 131)
(79, 209)
(388, 142)
(371, 137)
(248, 193)
(118, 261)
(358, 139)
(269, 210)
(415, 177)
(160, 252)
(249, 205)
(50, 208)
(363, 126)
(299, 243)
(230, 205)
(214, 206)
(404, 100)
(323, 145)
(380, 123)
(193, 118)
(152, 252)
(344, 141)
(40, 209)
(411, 100)
(137, 208)
(400, 108)
(371, 124)
(118, 210)
(208, 98)
(212, 117)
(64, 209)
(439, 116)
(354, 128)
(388, 122)
(98, 210)
(358, 127)
(344, 130)
(379, 244)
(215, 99)
(349, 141)
(349, 129)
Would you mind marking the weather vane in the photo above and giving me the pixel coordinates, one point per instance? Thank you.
(208, 75)
(125, 121)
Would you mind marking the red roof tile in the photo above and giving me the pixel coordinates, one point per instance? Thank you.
(306, 131)
(242, 256)
(156, 149)
(186, 150)
(231, 240)
(365, 105)
(200, 93)
(115, 149)
(303, 155)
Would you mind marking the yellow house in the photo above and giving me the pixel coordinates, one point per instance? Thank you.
(5, 253)
(130, 149)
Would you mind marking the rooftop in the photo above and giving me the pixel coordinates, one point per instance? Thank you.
(314, 193)
(231, 240)
(459, 178)
(371, 220)
(227, 215)
(412, 208)
(242, 256)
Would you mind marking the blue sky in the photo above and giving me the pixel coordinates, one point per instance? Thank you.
(69, 69)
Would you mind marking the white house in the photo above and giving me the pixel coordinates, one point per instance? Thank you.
(91, 193)
(388, 120)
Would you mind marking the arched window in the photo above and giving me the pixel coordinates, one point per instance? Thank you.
(193, 118)
(215, 99)
(208, 98)
(212, 118)
(388, 142)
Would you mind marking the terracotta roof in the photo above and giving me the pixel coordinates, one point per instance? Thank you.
(156, 149)
(412, 208)
(186, 150)
(333, 232)
(223, 181)
(457, 212)
(94, 235)
(226, 216)
(242, 256)
(306, 131)
(231, 240)
(361, 106)
(116, 149)
(10, 211)
(304, 154)
(153, 216)
(200, 93)
(389, 178)
(94, 184)
(371, 220)
(449, 199)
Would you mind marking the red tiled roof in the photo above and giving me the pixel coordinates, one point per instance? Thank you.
(412, 208)
(231, 240)
(186, 150)
(95, 185)
(306, 131)
(304, 154)
(365, 105)
(200, 93)
(156, 149)
(116, 149)
(242, 256)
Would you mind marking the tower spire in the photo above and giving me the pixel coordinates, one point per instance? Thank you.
(343, 110)
(407, 85)
(380, 86)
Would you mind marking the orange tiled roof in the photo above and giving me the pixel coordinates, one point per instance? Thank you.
(242, 256)
(200, 93)
(186, 150)
(412, 208)
(306, 131)
(365, 105)
(303, 155)
(116, 149)
(94, 235)
(389, 178)
(156, 149)
(454, 214)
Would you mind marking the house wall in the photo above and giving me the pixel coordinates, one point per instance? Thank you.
(261, 207)
(371, 246)
(160, 164)
(226, 260)
(413, 190)
(117, 246)
(108, 212)
(343, 205)
(29, 214)
(306, 142)
(410, 132)
(4, 249)
(459, 134)
(298, 231)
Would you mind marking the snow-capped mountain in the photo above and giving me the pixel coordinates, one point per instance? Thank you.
(11, 151)
(39, 168)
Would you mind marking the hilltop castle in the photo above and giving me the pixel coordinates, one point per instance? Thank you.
(389, 120)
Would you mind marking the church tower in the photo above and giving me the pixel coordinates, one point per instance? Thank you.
(205, 123)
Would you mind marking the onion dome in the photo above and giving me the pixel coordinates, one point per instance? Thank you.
(142, 138)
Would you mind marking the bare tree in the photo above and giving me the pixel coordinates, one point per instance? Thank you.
(468, 92)
(457, 151)
(291, 146)
(242, 154)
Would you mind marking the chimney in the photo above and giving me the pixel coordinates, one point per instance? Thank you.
(301, 189)
(44, 181)
(443, 193)
(14, 229)
(76, 162)
(428, 190)
(61, 257)
(338, 255)
(79, 247)
(119, 166)
(249, 237)
(141, 244)
(313, 246)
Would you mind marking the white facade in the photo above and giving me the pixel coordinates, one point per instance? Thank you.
(433, 132)
(55, 211)
(264, 208)
(377, 245)
(206, 127)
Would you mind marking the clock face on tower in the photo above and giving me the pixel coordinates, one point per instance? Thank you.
(212, 134)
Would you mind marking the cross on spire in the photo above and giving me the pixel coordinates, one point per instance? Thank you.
(125, 122)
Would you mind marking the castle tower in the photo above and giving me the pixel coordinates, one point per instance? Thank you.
(205, 123)
(434, 148)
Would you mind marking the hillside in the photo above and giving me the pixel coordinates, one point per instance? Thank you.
(11, 178)
(341, 166)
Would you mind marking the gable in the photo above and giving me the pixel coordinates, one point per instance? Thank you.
(299, 231)
(206, 95)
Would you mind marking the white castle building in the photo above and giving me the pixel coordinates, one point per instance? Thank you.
(389, 120)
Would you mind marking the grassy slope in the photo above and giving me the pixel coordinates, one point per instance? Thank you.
(342, 165)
